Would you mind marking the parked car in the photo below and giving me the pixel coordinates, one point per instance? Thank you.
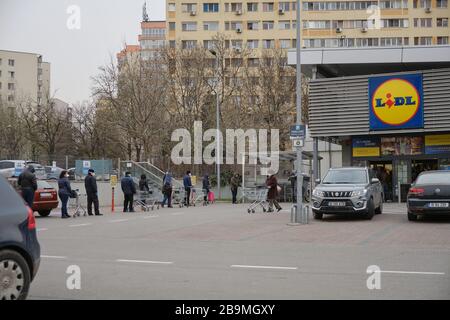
(429, 195)
(8, 168)
(348, 190)
(45, 197)
(19, 247)
(53, 172)
(71, 173)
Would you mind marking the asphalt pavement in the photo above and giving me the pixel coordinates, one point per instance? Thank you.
(222, 252)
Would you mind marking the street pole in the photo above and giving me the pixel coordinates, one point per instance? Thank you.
(218, 149)
(303, 219)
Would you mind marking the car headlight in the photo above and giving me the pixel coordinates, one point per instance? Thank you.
(359, 193)
(318, 193)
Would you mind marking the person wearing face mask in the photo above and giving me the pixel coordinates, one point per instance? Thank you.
(65, 191)
(90, 183)
(187, 183)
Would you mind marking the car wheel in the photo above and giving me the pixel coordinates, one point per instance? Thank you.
(318, 215)
(370, 210)
(412, 216)
(14, 276)
(379, 210)
(44, 213)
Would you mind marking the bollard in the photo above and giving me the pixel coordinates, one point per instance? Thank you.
(112, 200)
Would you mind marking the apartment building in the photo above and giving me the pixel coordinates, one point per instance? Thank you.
(23, 76)
(263, 24)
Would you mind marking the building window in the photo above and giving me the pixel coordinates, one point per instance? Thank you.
(172, 44)
(442, 22)
(284, 25)
(396, 23)
(441, 3)
(188, 44)
(285, 43)
(12, 74)
(0, 85)
(252, 44)
(189, 7)
(171, 26)
(253, 25)
(211, 26)
(422, 41)
(267, 25)
(253, 62)
(390, 42)
(189, 26)
(252, 7)
(210, 7)
(209, 44)
(10, 98)
(268, 44)
(233, 25)
(442, 40)
(171, 7)
(284, 6)
(322, 24)
(423, 22)
(0, 61)
(11, 62)
(236, 44)
(10, 86)
(268, 6)
(393, 4)
(235, 7)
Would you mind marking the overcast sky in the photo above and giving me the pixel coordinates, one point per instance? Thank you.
(40, 26)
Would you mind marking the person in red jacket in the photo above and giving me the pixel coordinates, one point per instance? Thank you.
(272, 195)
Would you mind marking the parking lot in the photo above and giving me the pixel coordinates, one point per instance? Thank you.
(221, 252)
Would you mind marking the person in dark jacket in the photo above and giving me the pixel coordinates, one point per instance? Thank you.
(235, 182)
(143, 183)
(90, 183)
(129, 190)
(272, 185)
(206, 186)
(187, 183)
(64, 192)
(167, 190)
(28, 185)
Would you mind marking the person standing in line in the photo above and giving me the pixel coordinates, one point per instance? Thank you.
(28, 185)
(187, 183)
(272, 185)
(129, 190)
(167, 190)
(64, 192)
(206, 186)
(235, 182)
(90, 184)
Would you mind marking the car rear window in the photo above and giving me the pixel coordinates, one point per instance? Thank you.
(43, 185)
(9, 199)
(434, 178)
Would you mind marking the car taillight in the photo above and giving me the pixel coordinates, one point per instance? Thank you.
(416, 192)
(31, 220)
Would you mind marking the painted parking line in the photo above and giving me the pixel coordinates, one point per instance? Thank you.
(53, 257)
(144, 261)
(413, 272)
(149, 217)
(263, 267)
(79, 225)
(177, 213)
(118, 220)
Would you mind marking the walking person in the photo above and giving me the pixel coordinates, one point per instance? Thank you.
(206, 186)
(187, 183)
(64, 192)
(272, 185)
(28, 185)
(167, 190)
(235, 182)
(90, 184)
(129, 190)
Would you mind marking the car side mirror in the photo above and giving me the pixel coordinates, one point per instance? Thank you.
(374, 180)
(317, 181)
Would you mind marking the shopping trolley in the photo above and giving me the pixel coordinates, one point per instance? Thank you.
(198, 195)
(178, 195)
(148, 199)
(257, 197)
(76, 203)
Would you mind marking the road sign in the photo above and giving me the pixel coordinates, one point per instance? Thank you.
(113, 181)
(129, 165)
(18, 168)
(298, 131)
(86, 166)
(297, 143)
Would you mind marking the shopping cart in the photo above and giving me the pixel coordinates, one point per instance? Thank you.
(198, 195)
(76, 203)
(257, 197)
(148, 199)
(178, 195)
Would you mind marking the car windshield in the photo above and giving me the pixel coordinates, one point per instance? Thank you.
(43, 185)
(346, 177)
(434, 178)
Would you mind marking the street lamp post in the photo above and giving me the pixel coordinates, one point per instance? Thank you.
(218, 149)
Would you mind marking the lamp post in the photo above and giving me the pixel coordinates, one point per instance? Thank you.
(218, 149)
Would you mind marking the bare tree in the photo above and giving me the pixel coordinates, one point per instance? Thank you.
(11, 129)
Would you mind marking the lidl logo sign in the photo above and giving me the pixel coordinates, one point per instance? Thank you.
(395, 102)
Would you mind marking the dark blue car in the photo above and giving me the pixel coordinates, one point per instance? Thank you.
(19, 247)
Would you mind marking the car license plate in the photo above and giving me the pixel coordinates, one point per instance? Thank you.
(46, 195)
(336, 204)
(438, 205)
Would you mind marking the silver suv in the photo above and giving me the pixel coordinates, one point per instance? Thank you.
(348, 190)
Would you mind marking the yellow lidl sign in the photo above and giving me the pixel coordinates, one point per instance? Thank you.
(395, 102)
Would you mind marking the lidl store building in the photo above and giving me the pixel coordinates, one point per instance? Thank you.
(389, 109)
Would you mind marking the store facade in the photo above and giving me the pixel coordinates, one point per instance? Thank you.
(396, 123)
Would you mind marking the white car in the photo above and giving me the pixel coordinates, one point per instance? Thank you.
(8, 168)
